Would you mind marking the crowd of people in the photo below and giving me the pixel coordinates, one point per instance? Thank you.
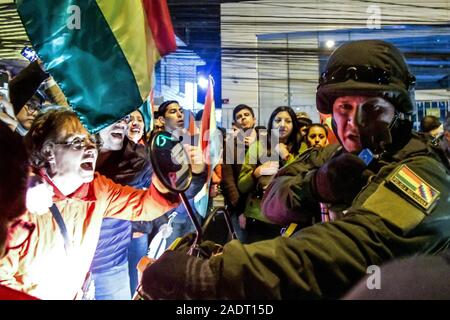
(79, 211)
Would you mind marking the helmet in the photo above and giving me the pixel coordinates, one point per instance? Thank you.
(369, 68)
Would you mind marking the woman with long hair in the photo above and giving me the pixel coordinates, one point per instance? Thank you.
(262, 161)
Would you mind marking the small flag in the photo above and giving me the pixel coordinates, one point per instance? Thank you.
(100, 52)
(209, 143)
(148, 112)
(414, 188)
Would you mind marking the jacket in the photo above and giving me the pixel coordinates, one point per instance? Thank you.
(128, 166)
(326, 259)
(233, 158)
(43, 268)
(252, 187)
(11, 294)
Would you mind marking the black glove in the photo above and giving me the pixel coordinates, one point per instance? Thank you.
(205, 249)
(176, 275)
(340, 179)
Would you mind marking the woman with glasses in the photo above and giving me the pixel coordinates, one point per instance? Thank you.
(58, 254)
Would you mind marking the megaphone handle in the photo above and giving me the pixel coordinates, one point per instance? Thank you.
(231, 230)
(198, 229)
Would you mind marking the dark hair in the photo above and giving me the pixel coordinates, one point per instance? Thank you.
(14, 168)
(293, 137)
(312, 126)
(324, 127)
(163, 106)
(242, 107)
(302, 122)
(144, 134)
(45, 128)
(429, 123)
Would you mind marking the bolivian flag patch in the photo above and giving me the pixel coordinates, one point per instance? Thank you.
(414, 188)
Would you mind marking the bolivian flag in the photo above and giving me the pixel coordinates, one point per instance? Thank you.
(100, 52)
(210, 142)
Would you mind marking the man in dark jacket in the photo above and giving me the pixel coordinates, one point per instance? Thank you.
(171, 115)
(236, 145)
(393, 197)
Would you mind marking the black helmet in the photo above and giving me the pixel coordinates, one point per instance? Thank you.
(366, 67)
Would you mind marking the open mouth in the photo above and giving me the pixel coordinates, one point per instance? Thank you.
(353, 137)
(135, 130)
(117, 135)
(88, 165)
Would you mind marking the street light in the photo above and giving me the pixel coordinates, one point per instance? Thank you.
(202, 82)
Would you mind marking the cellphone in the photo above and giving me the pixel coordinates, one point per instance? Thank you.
(29, 54)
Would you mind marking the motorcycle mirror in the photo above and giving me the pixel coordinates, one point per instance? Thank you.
(170, 162)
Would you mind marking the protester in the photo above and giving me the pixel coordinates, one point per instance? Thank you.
(56, 259)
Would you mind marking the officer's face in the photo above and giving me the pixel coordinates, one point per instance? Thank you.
(363, 122)
(344, 114)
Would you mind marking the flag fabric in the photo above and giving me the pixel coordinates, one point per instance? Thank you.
(189, 122)
(210, 144)
(100, 52)
(148, 111)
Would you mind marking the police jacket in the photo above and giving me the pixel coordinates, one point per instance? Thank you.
(326, 259)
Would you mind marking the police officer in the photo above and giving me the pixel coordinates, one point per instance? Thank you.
(389, 184)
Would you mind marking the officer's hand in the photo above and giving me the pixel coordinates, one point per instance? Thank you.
(340, 179)
(176, 275)
(205, 249)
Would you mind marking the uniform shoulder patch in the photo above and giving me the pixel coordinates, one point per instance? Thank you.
(411, 186)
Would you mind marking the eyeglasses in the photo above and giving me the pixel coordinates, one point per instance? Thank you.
(126, 119)
(33, 106)
(19, 233)
(78, 143)
(357, 73)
